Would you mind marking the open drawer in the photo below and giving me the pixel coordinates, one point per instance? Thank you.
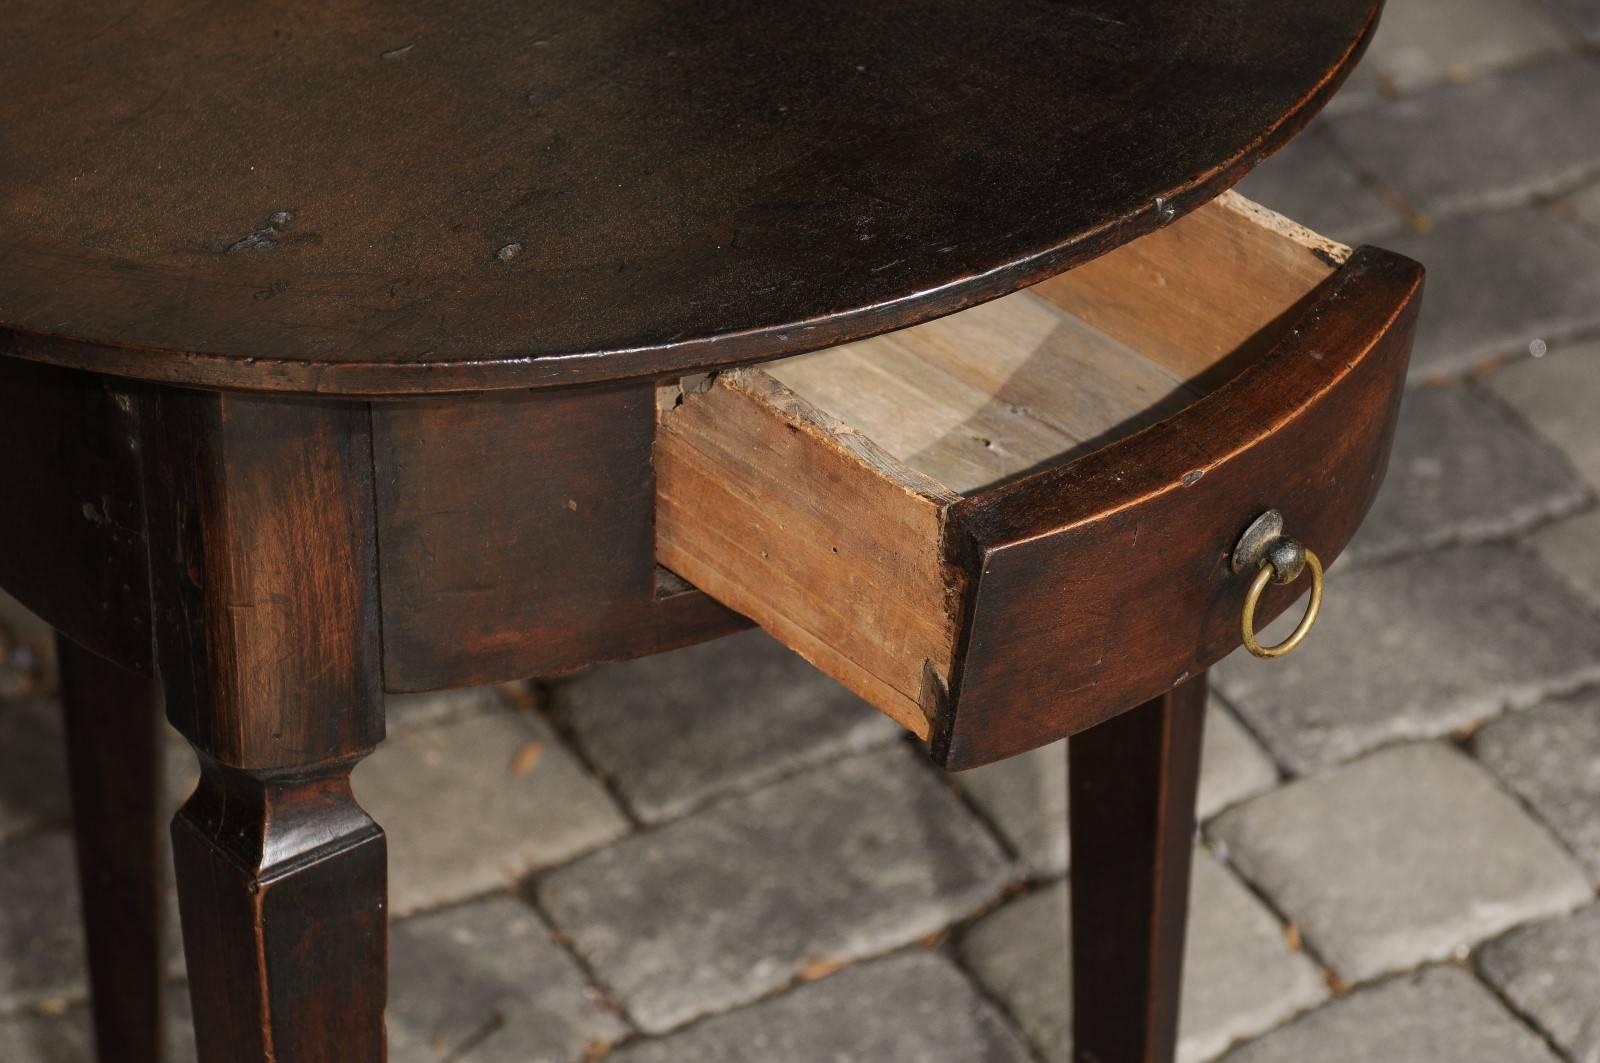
(1009, 524)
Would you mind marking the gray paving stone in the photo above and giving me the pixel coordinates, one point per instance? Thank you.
(1581, 15)
(1313, 182)
(719, 908)
(677, 729)
(1551, 757)
(1550, 971)
(1491, 142)
(1409, 855)
(1415, 649)
(1571, 549)
(1586, 201)
(473, 806)
(910, 1008)
(1463, 469)
(1497, 282)
(1558, 396)
(41, 941)
(47, 1038)
(1440, 1015)
(485, 983)
(409, 712)
(1240, 977)
(1026, 797)
(33, 785)
(53, 1036)
(1423, 42)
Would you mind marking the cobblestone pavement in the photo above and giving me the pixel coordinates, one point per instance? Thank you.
(718, 855)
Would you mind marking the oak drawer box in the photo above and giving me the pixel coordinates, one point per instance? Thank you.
(1006, 525)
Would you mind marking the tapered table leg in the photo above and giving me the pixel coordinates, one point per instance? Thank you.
(1133, 782)
(114, 763)
(264, 580)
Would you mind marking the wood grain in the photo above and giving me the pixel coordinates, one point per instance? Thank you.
(980, 396)
(582, 193)
(1105, 581)
(847, 571)
(264, 564)
(1009, 481)
(72, 542)
(114, 764)
(1192, 294)
(1133, 782)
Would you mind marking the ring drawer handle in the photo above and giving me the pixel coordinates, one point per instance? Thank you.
(1277, 559)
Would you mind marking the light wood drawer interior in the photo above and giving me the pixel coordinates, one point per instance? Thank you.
(820, 494)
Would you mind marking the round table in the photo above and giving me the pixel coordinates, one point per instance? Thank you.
(332, 339)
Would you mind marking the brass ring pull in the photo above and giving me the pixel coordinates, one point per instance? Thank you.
(1268, 574)
(1277, 559)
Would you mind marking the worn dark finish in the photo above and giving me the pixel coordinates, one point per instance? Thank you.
(264, 566)
(114, 762)
(365, 198)
(521, 524)
(72, 549)
(1089, 587)
(1133, 781)
(371, 200)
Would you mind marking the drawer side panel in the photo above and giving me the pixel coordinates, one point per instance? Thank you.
(811, 531)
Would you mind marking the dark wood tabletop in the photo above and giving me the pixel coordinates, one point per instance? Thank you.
(372, 197)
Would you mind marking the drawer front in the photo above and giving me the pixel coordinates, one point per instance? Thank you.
(997, 616)
(1104, 582)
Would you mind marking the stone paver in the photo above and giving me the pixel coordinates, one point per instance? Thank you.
(41, 942)
(65, 1037)
(1423, 42)
(1416, 649)
(1497, 282)
(410, 712)
(1586, 201)
(473, 806)
(1462, 469)
(1583, 16)
(1026, 797)
(674, 730)
(1492, 142)
(1240, 977)
(1311, 181)
(47, 1039)
(33, 784)
(717, 909)
(1440, 1015)
(1558, 395)
(485, 983)
(1571, 549)
(1551, 757)
(1550, 971)
(1406, 856)
(910, 1008)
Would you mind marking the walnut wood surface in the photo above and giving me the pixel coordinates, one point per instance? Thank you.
(1132, 806)
(1105, 581)
(72, 532)
(114, 763)
(515, 535)
(376, 198)
(263, 562)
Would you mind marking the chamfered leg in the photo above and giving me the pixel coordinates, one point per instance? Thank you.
(264, 580)
(1133, 781)
(114, 766)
